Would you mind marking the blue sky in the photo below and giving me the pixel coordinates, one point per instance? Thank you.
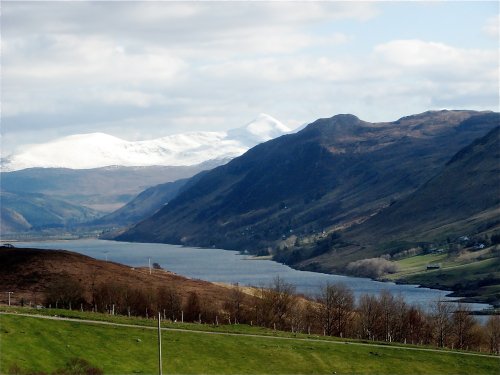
(140, 70)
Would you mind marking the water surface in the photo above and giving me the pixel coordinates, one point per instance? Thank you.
(232, 267)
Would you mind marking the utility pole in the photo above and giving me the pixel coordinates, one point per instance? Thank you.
(149, 259)
(159, 344)
(9, 293)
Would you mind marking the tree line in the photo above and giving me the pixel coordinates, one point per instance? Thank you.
(334, 312)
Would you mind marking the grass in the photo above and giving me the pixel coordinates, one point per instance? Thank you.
(416, 264)
(45, 345)
(468, 274)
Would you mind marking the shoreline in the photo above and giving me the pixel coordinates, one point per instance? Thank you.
(450, 293)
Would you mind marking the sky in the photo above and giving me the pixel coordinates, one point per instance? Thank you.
(142, 70)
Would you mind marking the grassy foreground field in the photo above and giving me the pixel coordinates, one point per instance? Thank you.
(38, 344)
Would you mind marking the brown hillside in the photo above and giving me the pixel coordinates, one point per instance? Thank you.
(28, 272)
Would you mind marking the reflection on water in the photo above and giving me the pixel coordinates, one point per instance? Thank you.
(232, 267)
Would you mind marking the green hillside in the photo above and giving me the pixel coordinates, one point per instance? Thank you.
(34, 344)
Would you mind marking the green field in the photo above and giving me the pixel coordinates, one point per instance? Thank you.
(416, 264)
(46, 345)
(474, 275)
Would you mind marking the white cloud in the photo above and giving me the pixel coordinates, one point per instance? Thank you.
(492, 27)
(166, 67)
(438, 61)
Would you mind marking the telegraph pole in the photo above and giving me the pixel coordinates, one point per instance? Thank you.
(9, 293)
(159, 344)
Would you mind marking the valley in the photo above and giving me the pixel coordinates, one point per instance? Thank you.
(340, 196)
(255, 187)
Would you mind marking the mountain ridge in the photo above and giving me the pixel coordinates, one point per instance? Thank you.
(96, 150)
(334, 171)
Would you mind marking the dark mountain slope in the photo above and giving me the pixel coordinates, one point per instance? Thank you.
(143, 205)
(467, 185)
(334, 172)
(463, 198)
(146, 203)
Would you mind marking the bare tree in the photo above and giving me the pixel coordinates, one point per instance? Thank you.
(493, 333)
(441, 319)
(387, 309)
(108, 294)
(234, 305)
(335, 309)
(192, 307)
(278, 300)
(400, 321)
(416, 323)
(169, 302)
(64, 292)
(462, 327)
(370, 317)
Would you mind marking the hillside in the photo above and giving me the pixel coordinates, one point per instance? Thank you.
(102, 189)
(30, 271)
(333, 173)
(146, 203)
(468, 185)
(25, 211)
(462, 199)
(143, 205)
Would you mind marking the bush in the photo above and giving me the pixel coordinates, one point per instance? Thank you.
(75, 366)
(79, 366)
(372, 267)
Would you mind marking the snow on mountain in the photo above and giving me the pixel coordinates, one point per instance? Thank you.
(94, 150)
(262, 129)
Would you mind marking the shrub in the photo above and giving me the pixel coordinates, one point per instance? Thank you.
(372, 267)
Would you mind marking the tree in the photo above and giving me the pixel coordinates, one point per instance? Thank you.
(370, 317)
(169, 301)
(64, 292)
(336, 304)
(463, 324)
(234, 305)
(278, 300)
(108, 294)
(493, 333)
(193, 307)
(416, 324)
(441, 312)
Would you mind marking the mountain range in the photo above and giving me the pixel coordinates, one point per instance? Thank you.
(98, 174)
(336, 173)
(96, 150)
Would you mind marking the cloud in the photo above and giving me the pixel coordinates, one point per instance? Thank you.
(492, 27)
(163, 67)
(438, 61)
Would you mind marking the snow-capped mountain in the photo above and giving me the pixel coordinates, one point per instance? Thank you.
(84, 151)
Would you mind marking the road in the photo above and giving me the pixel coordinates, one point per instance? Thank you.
(97, 322)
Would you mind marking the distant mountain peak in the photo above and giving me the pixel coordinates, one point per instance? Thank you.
(95, 150)
(264, 128)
